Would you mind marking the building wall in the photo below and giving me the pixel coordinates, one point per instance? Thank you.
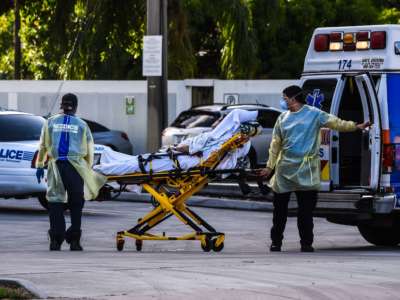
(104, 101)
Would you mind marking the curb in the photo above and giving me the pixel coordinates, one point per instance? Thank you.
(27, 285)
(203, 201)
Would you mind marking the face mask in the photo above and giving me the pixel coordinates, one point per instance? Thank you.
(283, 104)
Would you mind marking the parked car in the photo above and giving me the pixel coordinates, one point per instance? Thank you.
(200, 119)
(19, 142)
(115, 139)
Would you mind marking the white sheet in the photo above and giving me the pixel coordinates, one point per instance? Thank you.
(115, 163)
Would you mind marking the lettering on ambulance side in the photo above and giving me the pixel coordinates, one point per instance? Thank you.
(14, 155)
(372, 62)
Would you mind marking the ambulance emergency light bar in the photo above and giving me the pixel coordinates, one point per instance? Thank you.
(350, 41)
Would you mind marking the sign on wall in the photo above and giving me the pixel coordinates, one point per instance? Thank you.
(231, 99)
(130, 105)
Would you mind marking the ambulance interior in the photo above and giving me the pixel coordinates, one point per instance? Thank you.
(353, 151)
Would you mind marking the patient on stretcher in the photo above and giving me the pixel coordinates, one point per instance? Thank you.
(188, 154)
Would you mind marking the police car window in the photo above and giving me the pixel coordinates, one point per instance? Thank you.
(191, 119)
(267, 118)
(319, 92)
(20, 128)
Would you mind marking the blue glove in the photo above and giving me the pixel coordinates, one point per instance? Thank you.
(39, 174)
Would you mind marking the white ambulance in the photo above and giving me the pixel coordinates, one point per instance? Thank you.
(354, 73)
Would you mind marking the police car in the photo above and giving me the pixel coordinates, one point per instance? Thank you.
(354, 73)
(19, 141)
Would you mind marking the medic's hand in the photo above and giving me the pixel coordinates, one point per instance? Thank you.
(364, 125)
(266, 172)
(39, 174)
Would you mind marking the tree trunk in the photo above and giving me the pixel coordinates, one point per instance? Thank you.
(17, 41)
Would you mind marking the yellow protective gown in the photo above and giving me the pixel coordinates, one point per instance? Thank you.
(294, 149)
(67, 137)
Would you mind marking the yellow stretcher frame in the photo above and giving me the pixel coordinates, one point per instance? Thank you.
(185, 184)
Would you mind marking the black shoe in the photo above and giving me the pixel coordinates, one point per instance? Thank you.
(307, 249)
(55, 241)
(74, 241)
(55, 246)
(75, 246)
(275, 248)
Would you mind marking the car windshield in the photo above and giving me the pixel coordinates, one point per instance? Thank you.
(193, 118)
(18, 127)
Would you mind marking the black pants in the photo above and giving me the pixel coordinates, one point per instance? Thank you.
(73, 184)
(306, 201)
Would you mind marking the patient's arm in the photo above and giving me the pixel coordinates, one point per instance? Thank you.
(182, 148)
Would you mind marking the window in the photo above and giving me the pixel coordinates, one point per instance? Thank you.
(195, 118)
(267, 118)
(96, 127)
(18, 127)
(319, 92)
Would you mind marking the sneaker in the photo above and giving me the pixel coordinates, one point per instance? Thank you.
(275, 248)
(307, 249)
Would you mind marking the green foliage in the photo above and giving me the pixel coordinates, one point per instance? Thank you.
(232, 39)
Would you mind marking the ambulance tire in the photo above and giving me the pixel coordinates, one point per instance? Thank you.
(380, 236)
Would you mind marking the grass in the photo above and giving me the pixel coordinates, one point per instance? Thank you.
(13, 292)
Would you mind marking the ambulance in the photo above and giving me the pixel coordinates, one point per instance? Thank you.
(354, 73)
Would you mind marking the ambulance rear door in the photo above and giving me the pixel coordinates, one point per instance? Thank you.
(321, 91)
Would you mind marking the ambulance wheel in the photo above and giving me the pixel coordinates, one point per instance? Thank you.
(217, 248)
(120, 244)
(380, 236)
(43, 201)
(207, 244)
(139, 245)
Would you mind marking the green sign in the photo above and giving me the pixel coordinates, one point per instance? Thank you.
(130, 105)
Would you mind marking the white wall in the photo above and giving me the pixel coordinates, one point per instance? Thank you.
(266, 92)
(104, 101)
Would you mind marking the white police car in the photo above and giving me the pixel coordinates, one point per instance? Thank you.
(19, 141)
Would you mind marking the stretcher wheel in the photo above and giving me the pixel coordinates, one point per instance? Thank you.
(215, 247)
(120, 244)
(139, 245)
(206, 244)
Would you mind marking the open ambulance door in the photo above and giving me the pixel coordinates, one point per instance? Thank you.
(356, 156)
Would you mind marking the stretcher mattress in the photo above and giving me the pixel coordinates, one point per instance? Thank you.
(115, 163)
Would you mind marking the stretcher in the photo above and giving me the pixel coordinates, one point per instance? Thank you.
(171, 190)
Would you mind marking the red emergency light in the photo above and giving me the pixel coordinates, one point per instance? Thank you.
(378, 40)
(321, 42)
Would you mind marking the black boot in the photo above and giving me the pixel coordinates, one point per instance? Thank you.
(74, 241)
(56, 241)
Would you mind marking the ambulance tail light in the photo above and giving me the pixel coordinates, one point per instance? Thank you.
(321, 42)
(388, 158)
(378, 40)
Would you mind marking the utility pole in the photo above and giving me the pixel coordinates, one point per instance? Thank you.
(17, 41)
(157, 86)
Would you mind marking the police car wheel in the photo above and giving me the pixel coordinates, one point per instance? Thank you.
(43, 201)
(380, 236)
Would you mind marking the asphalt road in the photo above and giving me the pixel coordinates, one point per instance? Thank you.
(344, 266)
